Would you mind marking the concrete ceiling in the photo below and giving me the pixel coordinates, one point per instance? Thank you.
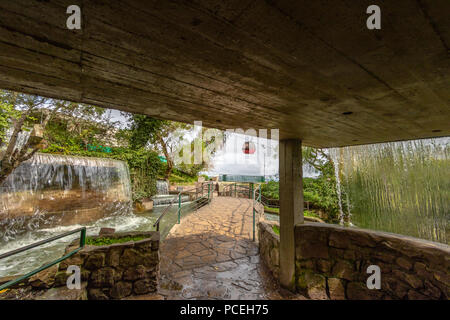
(310, 68)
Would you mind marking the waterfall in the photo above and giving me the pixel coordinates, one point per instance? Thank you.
(50, 190)
(337, 173)
(400, 187)
(162, 187)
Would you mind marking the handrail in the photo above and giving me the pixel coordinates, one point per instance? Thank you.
(157, 222)
(39, 243)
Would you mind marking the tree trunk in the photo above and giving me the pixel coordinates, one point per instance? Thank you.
(166, 154)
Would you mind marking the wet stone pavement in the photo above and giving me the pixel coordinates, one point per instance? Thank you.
(211, 255)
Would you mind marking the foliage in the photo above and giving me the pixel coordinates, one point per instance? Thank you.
(7, 115)
(320, 192)
(271, 190)
(181, 177)
(276, 229)
(103, 241)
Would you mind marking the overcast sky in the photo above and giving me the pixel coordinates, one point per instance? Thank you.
(232, 160)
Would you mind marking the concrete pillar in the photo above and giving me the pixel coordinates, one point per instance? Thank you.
(291, 206)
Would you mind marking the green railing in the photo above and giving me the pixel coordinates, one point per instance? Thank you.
(37, 244)
(234, 190)
(240, 178)
(198, 202)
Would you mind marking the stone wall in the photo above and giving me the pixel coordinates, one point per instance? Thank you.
(118, 270)
(269, 247)
(332, 261)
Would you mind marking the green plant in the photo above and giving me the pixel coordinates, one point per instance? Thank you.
(104, 241)
(276, 229)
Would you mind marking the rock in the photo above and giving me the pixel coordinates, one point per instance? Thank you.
(336, 289)
(97, 294)
(306, 265)
(359, 291)
(44, 279)
(146, 297)
(106, 231)
(443, 278)
(396, 289)
(313, 250)
(431, 290)
(324, 265)
(421, 270)
(410, 279)
(75, 260)
(102, 278)
(120, 290)
(404, 263)
(339, 240)
(414, 295)
(314, 284)
(131, 258)
(134, 273)
(95, 261)
(143, 286)
(148, 205)
(24, 282)
(112, 258)
(275, 256)
(64, 293)
(344, 270)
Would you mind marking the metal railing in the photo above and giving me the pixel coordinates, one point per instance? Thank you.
(236, 189)
(198, 202)
(37, 244)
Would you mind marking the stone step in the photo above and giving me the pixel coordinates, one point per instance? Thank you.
(64, 293)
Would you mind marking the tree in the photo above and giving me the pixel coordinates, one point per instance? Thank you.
(17, 109)
(22, 113)
(161, 133)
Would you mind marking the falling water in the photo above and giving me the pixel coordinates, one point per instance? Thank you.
(400, 187)
(162, 187)
(51, 194)
(50, 190)
(337, 172)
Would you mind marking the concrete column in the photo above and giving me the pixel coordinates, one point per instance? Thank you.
(291, 206)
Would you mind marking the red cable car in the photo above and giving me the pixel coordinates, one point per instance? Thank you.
(248, 147)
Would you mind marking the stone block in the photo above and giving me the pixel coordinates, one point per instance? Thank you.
(339, 240)
(144, 286)
(344, 270)
(64, 293)
(336, 289)
(324, 265)
(112, 258)
(313, 250)
(120, 290)
(414, 295)
(94, 261)
(44, 279)
(97, 294)
(359, 291)
(404, 263)
(102, 278)
(134, 273)
(75, 260)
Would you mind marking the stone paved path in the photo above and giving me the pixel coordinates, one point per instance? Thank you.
(211, 255)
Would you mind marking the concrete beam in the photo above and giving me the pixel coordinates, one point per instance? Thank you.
(309, 68)
(291, 206)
